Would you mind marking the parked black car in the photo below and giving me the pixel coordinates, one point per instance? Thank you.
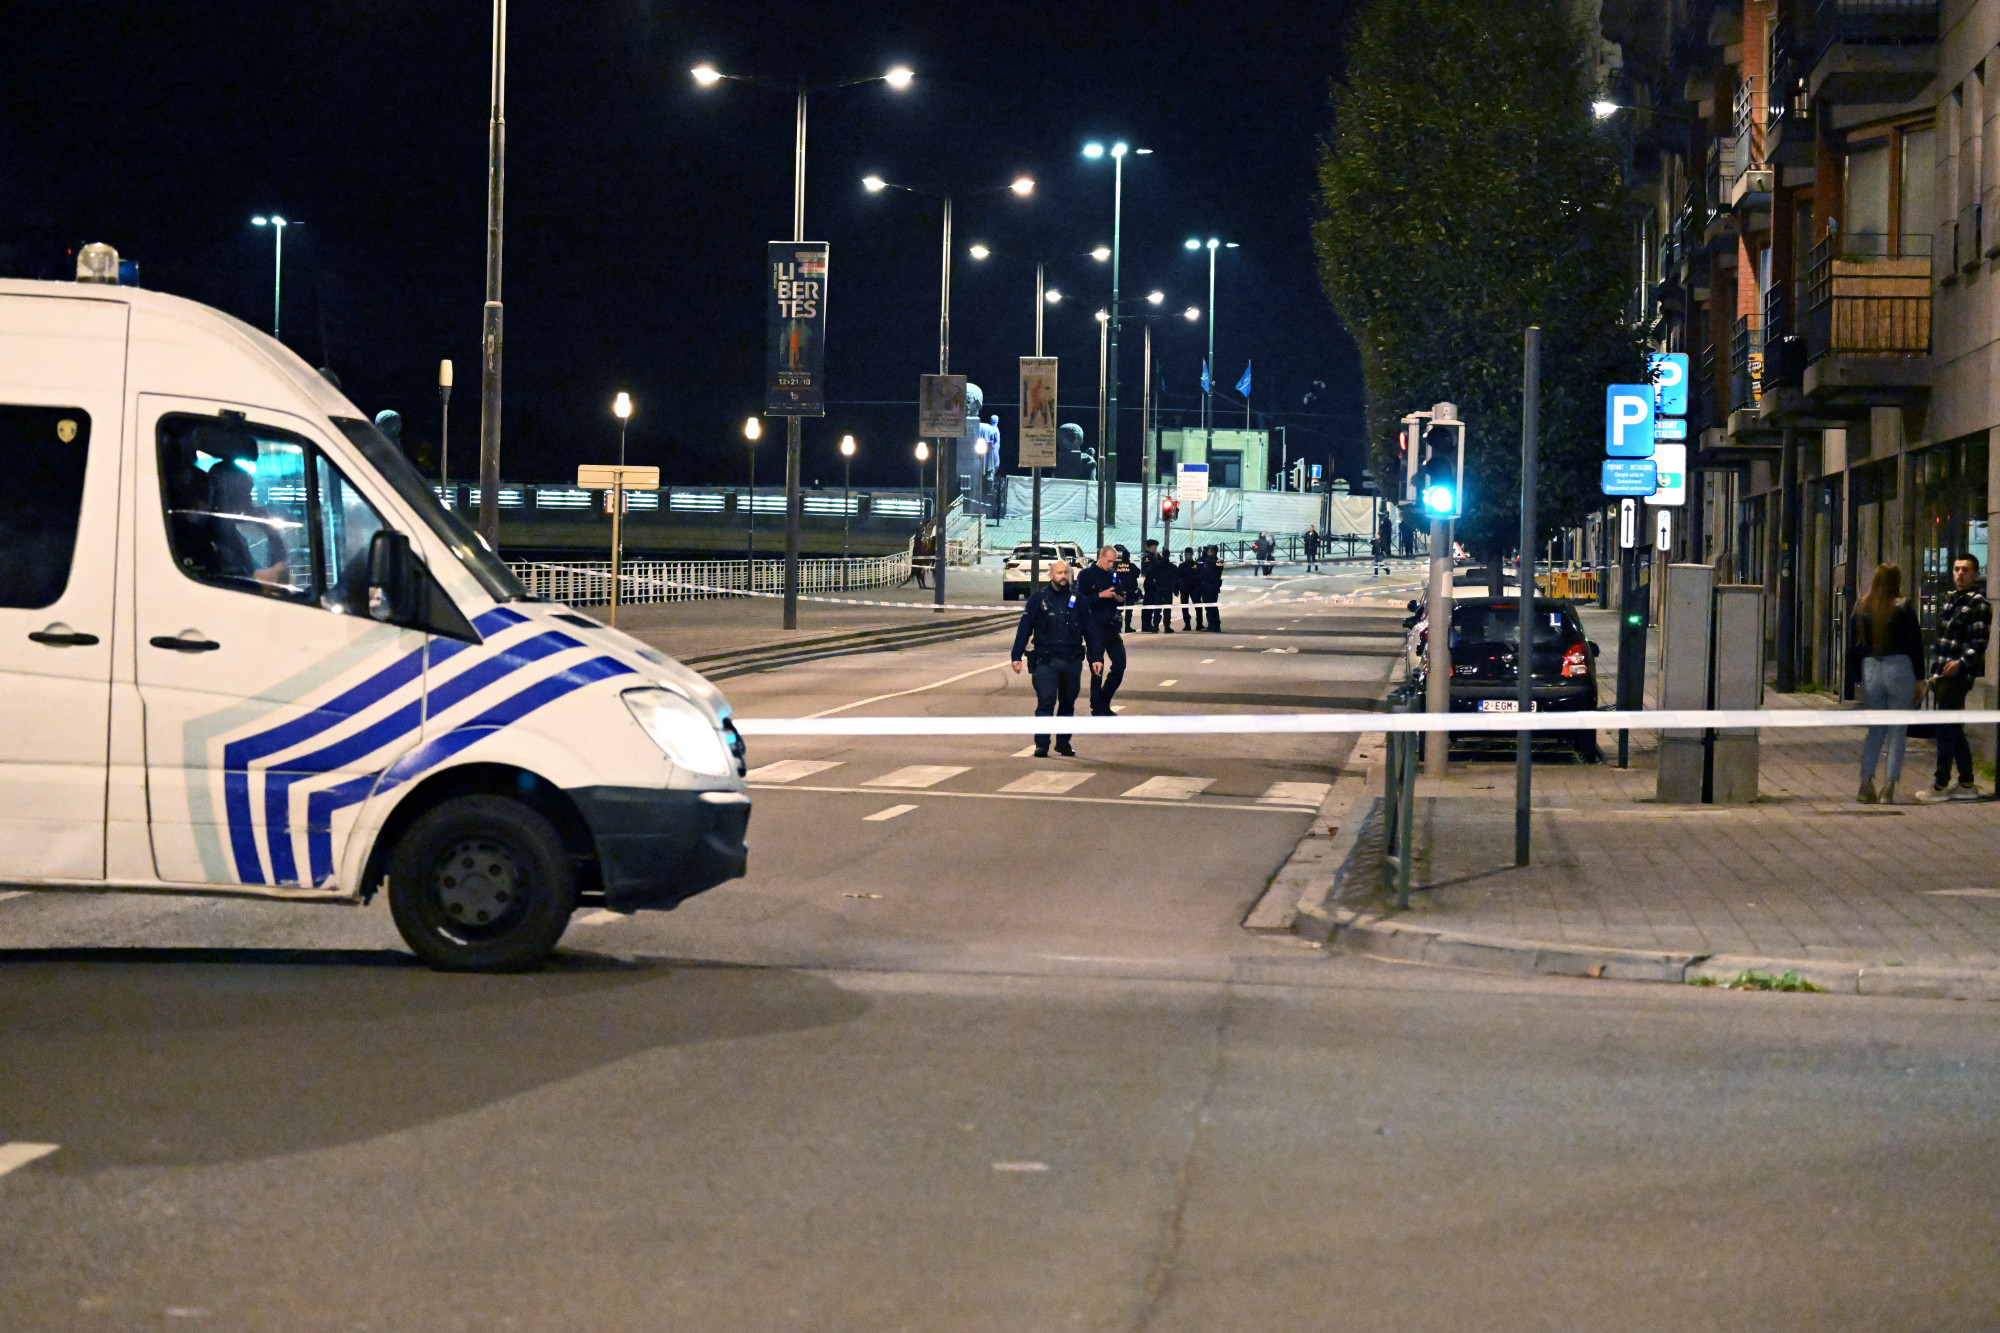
(1485, 644)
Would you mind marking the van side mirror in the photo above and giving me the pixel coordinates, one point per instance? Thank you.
(392, 578)
(1411, 605)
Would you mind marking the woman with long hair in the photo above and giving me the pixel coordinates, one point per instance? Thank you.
(1886, 641)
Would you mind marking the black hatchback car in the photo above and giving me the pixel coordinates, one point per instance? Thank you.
(1485, 651)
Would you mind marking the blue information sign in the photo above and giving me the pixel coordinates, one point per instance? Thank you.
(1670, 428)
(1628, 420)
(1630, 476)
(1670, 382)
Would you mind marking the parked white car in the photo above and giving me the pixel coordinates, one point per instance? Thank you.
(1014, 579)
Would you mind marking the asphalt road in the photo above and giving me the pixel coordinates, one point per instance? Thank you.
(1002, 1060)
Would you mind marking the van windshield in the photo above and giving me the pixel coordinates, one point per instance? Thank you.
(404, 479)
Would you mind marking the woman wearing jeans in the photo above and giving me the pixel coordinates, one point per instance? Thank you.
(1888, 644)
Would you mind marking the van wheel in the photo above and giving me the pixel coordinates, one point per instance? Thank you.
(481, 884)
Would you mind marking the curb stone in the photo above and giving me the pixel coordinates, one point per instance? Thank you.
(1296, 899)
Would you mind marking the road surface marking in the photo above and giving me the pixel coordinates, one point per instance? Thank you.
(14, 1155)
(1118, 708)
(791, 770)
(890, 813)
(876, 699)
(916, 775)
(1026, 752)
(598, 918)
(1206, 660)
(1229, 803)
(1239, 647)
(1024, 1168)
(13, 893)
(1963, 893)
(1050, 782)
(1165, 683)
(1281, 650)
(1169, 789)
(1297, 793)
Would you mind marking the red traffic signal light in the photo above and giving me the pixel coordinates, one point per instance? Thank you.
(1170, 508)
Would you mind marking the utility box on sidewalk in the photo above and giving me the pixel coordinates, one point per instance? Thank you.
(1739, 683)
(1686, 638)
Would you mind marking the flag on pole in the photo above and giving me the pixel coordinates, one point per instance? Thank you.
(1243, 385)
(1205, 387)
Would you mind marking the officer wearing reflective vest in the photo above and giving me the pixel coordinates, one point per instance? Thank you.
(1063, 635)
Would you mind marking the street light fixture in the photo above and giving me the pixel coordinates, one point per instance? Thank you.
(1108, 484)
(622, 409)
(1208, 390)
(277, 226)
(1101, 253)
(979, 252)
(846, 501)
(1021, 186)
(898, 77)
(753, 430)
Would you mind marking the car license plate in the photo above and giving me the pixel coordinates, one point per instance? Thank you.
(1499, 705)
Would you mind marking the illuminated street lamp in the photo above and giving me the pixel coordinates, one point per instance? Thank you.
(277, 226)
(622, 409)
(846, 497)
(753, 430)
(1208, 386)
(1117, 153)
(707, 76)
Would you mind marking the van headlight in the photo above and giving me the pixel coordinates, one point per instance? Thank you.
(683, 732)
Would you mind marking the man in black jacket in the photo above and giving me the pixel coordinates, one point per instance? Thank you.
(1158, 573)
(1208, 576)
(1097, 588)
(1061, 627)
(1964, 619)
(1189, 582)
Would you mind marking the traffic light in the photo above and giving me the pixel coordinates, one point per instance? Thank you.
(1440, 475)
(1410, 456)
(1299, 475)
(1170, 508)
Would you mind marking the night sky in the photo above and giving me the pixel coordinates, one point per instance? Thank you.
(638, 205)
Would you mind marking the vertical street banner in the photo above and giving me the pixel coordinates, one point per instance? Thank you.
(795, 324)
(941, 407)
(1038, 411)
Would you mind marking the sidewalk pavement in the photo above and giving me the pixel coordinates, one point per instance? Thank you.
(1868, 899)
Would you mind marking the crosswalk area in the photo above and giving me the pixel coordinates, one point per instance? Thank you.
(1066, 783)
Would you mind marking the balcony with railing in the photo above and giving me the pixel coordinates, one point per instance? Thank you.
(1746, 165)
(1746, 363)
(1868, 315)
(1873, 50)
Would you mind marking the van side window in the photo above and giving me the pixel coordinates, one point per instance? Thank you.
(40, 505)
(347, 528)
(236, 505)
(260, 510)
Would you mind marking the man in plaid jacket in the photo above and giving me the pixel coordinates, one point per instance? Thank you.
(1964, 619)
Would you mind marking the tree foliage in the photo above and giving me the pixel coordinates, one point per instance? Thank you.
(1466, 193)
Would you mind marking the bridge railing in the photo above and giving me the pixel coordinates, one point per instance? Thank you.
(588, 582)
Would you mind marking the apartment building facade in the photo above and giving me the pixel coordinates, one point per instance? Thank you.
(1817, 224)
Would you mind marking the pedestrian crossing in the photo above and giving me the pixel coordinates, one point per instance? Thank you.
(1065, 782)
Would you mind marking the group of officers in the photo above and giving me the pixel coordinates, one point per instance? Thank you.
(1080, 616)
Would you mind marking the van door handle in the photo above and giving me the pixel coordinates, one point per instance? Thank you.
(63, 639)
(184, 645)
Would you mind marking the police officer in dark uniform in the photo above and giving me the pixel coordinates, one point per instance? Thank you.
(1128, 584)
(1209, 574)
(1157, 572)
(1097, 588)
(1061, 627)
(1189, 581)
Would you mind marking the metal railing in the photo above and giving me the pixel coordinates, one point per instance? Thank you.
(1869, 294)
(588, 582)
(1746, 362)
(1874, 23)
(1746, 145)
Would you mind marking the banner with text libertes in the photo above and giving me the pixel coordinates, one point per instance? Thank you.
(795, 358)
(1038, 411)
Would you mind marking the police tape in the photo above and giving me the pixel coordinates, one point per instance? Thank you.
(1270, 724)
(712, 590)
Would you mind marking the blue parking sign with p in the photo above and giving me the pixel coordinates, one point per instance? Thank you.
(1628, 420)
(1669, 371)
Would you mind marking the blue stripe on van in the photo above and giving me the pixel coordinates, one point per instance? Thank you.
(386, 730)
(321, 805)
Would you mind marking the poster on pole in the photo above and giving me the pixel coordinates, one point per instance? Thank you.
(1191, 484)
(795, 325)
(1670, 465)
(1038, 411)
(941, 407)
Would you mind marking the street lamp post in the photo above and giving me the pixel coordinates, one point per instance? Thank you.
(753, 430)
(1208, 385)
(846, 502)
(1117, 153)
(277, 226)
(490, 321)
(1103, 363)
(707, 76)
(1022, 186)
(444, 432)
(622, 409)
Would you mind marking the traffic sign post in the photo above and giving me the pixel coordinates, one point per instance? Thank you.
(615, 480)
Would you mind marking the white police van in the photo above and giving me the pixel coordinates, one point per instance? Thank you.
(243, 650)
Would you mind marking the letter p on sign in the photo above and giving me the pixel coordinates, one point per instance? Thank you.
(1628, 421)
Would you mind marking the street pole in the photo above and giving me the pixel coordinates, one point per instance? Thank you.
(944, 368)
(1208, 389)
(617, 534)
(1146, 438)
(1035, 525)
(1524, 660)
(490, 341)
(795, 426)
(278, 280)
(1110, 494)
(444, 432)
(1437, 669)
(1103, 333)
(750, 538)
